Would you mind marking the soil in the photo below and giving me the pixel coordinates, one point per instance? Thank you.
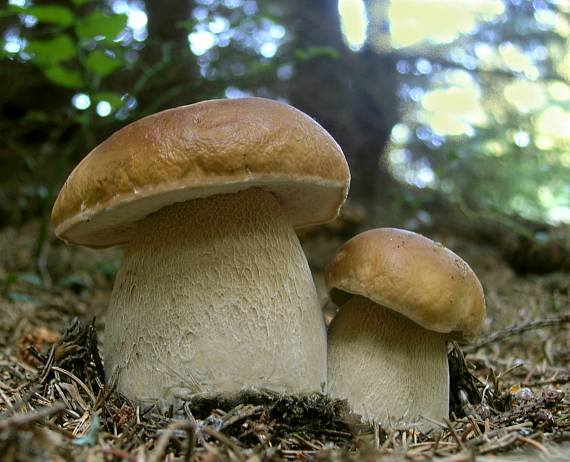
(509, 390)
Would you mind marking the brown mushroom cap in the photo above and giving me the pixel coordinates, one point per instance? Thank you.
(412, 275)
(207, 148)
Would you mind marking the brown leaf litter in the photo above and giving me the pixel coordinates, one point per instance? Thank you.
(509, 391)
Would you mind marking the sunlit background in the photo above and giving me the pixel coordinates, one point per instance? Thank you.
(483, 85)
(487, 99)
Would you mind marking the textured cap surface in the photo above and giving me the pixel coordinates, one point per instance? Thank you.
(207, 148)
(412, 275)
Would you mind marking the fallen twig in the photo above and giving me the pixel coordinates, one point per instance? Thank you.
(501, 335)
(241, 413)
(225, 441)
(24, 419)
(165, 437)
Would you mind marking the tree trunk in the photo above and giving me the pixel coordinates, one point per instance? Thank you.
(167, 54)
(353, 96)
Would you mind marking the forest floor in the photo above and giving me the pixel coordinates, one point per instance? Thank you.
(509, 390)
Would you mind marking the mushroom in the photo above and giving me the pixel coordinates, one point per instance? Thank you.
(214, 293)
(402, 296)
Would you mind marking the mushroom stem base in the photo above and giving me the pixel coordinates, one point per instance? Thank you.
(390, 369)
(215, 295)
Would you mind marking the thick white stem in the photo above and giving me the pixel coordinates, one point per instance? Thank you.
(390, 369)
(215, 295)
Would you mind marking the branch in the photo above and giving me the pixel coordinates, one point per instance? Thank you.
(503, 334)
(25, 419)
(450, 64)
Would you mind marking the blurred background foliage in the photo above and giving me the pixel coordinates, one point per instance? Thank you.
(441, 106)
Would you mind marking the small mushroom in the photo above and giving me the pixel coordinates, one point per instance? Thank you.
(214, 293)
(402, 296)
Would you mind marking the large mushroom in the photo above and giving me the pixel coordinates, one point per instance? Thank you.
(214, 293)
(402, 296)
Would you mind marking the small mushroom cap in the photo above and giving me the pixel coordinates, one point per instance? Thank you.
(412, 275)
(195, 151)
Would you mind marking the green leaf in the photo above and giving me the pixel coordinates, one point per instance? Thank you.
(75, 282)
(36, 116)
(315, 52)
(12, 9)
(16, 297)
(63, 76)
(52, 51)
(187, 25)
(98, 24)
(31, 278)
(90, 438)
(7, 12)
(114, 99)
(101, 63)
(108, 268)
(80, 2)
(51, 14)
(10, 279)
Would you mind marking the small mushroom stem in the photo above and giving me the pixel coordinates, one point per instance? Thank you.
(389, 368)
(215, 295)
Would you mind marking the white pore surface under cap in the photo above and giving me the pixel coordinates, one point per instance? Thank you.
(215, 295)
